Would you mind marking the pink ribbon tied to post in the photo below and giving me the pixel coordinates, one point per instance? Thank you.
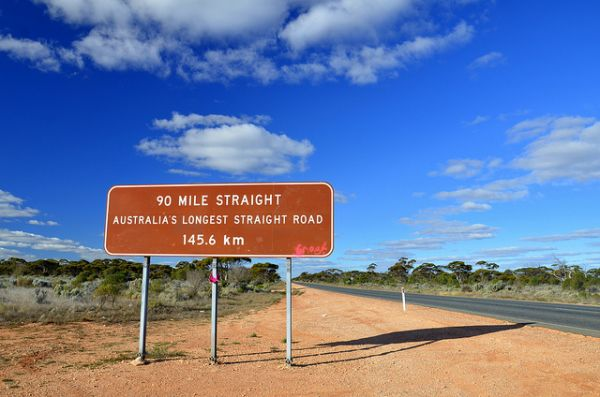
(213, 279)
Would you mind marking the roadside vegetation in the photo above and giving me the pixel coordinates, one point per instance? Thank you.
(109, 290)
(558, 282)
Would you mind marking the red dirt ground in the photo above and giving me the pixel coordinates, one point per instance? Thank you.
(343, 346)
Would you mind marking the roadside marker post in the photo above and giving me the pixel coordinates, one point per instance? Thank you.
(213, 313)
(403, 300)
(141, 358)
(288, 320)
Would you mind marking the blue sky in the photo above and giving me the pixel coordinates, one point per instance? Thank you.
(449, 129)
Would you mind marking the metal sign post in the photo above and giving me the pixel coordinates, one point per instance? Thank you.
(288, 297)
(213, 313)
(239, 220)
(141, 358)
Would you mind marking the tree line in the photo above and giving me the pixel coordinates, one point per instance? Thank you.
(462, 275)
(124, 270)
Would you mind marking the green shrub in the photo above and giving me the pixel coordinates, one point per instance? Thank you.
(156, 286)
(110, 288)
(84, 276)
(576, 282)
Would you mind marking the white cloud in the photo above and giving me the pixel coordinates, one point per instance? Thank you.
(20, 239)
(529, 128)
(341, 197)
(311, 71)
(122, 49)
(463, 168)
(575, 235)
(5, 253)
(235, 149)
(457, 230)
(312, 263)
(483, 193)
(567, 151)
(88, 11)
(364, 65)
(35, 222)
(342, 20)
(560, 149)
(473, 206)
(510, 115)
(466, 168)
(180, 121)
(494, 163)
(193, 19)
(488, 60)
(434, 234)
(178, 171)
(478, 120)
(220, 41)
(510, 251)
(39, 54)
(10, 207)
(229, 64)
(426, 215)
(499, 190)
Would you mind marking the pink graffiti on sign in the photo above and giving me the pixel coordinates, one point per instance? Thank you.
(311, 249)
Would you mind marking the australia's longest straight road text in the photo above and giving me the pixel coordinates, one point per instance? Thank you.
(579, 319)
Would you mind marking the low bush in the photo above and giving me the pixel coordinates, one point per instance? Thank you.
(41, 296)
(24, 282)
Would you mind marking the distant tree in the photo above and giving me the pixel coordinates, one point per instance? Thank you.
(487, 271)
(577, 281)
(460, 270)
(371, 268)
(226, 264)
(202, 264)
(487, 265)
(401, 268)
(181, 269)
(593, 273)
(562, 271)
(426, 271)
(42, 267)
(265, 272)
(535, 275)
(239, 277)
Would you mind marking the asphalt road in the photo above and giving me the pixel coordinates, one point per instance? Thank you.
(579, 319)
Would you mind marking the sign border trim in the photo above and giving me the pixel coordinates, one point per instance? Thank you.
(223, 184)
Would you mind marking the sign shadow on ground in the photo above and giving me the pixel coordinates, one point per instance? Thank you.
(424, 336)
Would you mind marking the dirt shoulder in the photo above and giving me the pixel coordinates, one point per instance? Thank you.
(344, 346)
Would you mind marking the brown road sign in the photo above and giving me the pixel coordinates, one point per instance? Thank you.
(237, 219)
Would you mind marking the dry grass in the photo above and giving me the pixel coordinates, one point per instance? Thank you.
(18, 305)
(540, 293)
